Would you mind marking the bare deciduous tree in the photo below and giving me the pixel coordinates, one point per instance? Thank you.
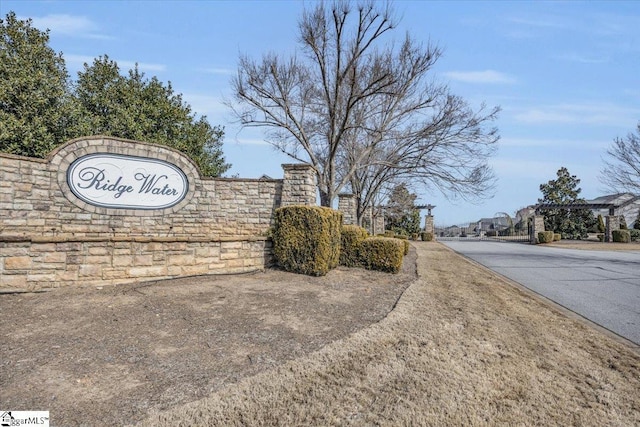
(622, 171)
(363, 113)
(447, 152)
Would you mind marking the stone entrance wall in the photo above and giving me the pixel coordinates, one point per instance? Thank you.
(537, 226)
(49, 237)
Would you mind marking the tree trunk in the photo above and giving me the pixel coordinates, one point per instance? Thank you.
(325, 198)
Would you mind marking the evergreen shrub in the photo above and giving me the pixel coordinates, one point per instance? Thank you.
(545, 236)
(623, 223)
(306, 239)
(382, 253)
(621, 236)
(351, 239)
(426, 237)
(405, 241)
(634, 234)
(601, 226)
(557, 237)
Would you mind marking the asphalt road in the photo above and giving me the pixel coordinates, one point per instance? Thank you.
(602, 286)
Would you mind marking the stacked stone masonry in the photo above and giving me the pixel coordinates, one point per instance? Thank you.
(50, 238)
(347, 205)
(611, 223)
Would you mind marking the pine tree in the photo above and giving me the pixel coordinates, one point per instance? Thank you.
(401, 216)
(571, 223)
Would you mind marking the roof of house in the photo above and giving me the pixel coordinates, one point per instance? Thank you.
(617, 199)
(498, 220)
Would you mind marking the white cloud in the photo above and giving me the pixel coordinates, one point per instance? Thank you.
(611, 24)
(482, 77)
(218, 71)
(206, 105)
(593, 145)
(76, 62)
(583, 59)
(588, 114)
(70, 25)
(518, 167)
(143, 66)
(540, 22)
(248, 141)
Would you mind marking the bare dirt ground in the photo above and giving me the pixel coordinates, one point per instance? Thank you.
(463, 347)
(110, 356)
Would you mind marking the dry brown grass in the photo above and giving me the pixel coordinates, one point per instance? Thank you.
(595, 246)
(462, 347)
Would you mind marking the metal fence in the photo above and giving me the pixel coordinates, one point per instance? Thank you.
(467, 233)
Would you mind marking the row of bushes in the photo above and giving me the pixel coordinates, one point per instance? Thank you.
(400, 234)
(402, 237)
(311, 240)
(369, 252)
(619, 236)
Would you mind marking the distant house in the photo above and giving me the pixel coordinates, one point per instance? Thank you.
(628, 206)
(451, 231)
(498, 223)
(523, 214)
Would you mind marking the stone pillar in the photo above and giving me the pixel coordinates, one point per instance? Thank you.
(536, 227)
(428, 224)
(367, 220)
(612, 223)
(347, 205)
(378, 223)
(299, 185)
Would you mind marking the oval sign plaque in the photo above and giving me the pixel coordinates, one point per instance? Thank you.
(126, 182)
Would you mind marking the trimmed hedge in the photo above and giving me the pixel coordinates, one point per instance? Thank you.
(382, 253)
(405, 241)
(621, 236)
(557, 237)
(306, 239)
(635, 234)
(545, 236)
(426, 237)
(351, 239)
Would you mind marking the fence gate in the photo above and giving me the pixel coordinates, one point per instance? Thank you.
(470, 233)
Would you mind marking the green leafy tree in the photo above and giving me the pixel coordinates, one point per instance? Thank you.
(135, 107)
(571, 223)
(39, 109)
(401, 216)
(36, 111)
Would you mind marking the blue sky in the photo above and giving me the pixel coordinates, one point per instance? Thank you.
(566, 74)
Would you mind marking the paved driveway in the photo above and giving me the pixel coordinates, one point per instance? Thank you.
(603, 286)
